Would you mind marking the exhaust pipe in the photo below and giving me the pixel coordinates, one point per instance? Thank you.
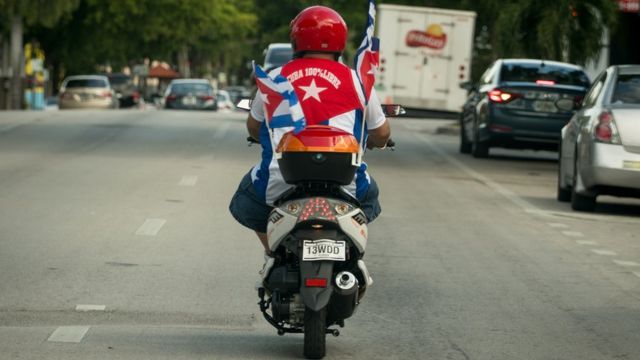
(345, 297)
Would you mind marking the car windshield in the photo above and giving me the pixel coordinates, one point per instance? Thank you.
(532, 73)
(86, 83)
(627, 90)
(277, 57)
(182, 89)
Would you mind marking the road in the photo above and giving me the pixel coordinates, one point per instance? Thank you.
(116, 242)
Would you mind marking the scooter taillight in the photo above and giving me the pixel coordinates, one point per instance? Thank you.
(317, 208)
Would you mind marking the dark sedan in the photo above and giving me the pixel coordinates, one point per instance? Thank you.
(520, 103)
(196, 94)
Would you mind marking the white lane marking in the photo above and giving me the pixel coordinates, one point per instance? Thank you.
(604, 252)
(151, 227)
(90, 307)
(222, 131)
(558, 225)
(510, 195)
(69, 334)
(626, 263)
(188, 180)
(586, 242)
(573, 233)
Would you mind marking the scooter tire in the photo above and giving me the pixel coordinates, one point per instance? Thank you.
(315, 332)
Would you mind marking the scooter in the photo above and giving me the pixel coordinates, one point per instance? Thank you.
(317, 233)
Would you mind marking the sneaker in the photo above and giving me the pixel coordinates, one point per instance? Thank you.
(266, 268)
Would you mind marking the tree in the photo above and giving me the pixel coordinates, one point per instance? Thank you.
(566, 30)
(45, 13)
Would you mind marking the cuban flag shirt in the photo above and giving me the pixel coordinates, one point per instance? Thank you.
(330, 94)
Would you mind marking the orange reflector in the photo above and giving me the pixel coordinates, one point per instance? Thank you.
(316, 283)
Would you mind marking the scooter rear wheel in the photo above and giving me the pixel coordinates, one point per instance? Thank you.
(315, 332)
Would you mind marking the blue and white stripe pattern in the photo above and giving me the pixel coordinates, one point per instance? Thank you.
(288, 111)
(369, 44)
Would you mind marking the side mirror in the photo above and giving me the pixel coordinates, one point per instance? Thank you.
(244, 104)
(393, 110)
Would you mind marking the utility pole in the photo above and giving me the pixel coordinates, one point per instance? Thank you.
(16, 62)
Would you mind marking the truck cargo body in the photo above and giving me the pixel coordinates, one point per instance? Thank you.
(424, 54)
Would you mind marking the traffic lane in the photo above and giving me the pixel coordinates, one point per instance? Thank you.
(468, 271)
(528, 178)
(72, 220)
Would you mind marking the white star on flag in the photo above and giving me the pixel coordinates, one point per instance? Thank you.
(264, 98)
(312, 91)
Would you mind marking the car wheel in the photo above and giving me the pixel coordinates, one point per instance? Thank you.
(465, 144)
(580, 202)
(563, 192)
(478, 149)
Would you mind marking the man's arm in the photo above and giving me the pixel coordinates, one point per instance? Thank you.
(253, 127)
(379, 136)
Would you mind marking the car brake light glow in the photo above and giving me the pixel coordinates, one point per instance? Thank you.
(106, 94)
(316, 282)
(207, 97)
(545, 82)
(606, 131)
(171, 97)
(500, 96)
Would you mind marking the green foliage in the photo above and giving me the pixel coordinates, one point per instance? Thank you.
(82, 34)
(40, 12)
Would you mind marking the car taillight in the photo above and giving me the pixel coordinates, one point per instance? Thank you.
(66, 95)
(318, 282)
(135, 96)
(106, 94)
(606, 130)
(171, 97)
(207, 97)
(501, 96)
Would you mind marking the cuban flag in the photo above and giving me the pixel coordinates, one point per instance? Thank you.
(282, 108)
(367, 57)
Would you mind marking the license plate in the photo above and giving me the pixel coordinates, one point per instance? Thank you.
(544, 106)
(635, 165)
(314, 250)
(189, 101)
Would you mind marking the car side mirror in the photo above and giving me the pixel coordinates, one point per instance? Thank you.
(244, 104)
(393, 110)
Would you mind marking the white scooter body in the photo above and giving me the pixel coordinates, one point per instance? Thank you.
(353, 224)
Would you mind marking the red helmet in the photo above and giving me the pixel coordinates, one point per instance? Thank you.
(318, 28)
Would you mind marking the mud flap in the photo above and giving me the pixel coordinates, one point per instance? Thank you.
(315, 298)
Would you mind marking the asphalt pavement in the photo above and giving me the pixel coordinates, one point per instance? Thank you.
(116, 242)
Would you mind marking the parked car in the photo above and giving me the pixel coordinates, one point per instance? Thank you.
(126, 92)
(600, 148)
(197, 94)
(520, 103)
(224, 101)
(87, 91)
(277, 54)
(237, 93)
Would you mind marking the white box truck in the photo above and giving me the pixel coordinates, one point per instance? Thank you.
(424, 54)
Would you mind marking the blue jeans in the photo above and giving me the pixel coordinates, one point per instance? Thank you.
(251, 211)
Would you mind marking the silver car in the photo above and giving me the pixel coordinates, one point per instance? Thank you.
(600, 147)
(87, 91)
